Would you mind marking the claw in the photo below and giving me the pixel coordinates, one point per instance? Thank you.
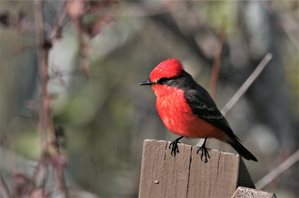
(174, 146)
(204, 152)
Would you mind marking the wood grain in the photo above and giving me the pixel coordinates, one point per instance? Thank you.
(186, 175)
(217, 178)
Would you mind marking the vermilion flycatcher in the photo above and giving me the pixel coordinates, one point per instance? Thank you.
(188, 110)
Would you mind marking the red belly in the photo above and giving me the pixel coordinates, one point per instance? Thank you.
(179, 119)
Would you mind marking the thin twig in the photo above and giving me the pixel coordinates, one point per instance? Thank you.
(75, 10)
(262, 183)
(45, 125)
(44, 108)
(236, 97)
(59, 23)
(217, 61)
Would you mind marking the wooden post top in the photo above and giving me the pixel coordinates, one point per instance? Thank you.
(186, 175)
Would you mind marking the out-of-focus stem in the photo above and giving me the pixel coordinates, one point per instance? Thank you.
(217, 61)
(236, 97)
(45, 125)
(278, 171)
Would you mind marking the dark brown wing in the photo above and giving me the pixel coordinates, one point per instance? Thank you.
(203, 106)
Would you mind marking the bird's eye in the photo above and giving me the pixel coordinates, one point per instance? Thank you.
(162, 80)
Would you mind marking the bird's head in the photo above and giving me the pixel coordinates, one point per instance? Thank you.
(167, 69)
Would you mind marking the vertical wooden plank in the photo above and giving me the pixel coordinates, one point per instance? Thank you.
(243, 192)
(152, 168)
(163, 175)
(217, 178)
(177, 172)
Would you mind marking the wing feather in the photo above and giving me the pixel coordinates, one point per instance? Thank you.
(204, 107)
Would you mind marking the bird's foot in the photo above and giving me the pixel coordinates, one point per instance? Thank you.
(204, 152)
(174, 146)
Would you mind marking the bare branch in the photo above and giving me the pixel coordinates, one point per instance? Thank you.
(43, 114)
(45, 125)
(59, 23)
(217, 60)
(236, 97)
(276, 172)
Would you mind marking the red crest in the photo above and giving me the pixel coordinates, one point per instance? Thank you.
(168, 68)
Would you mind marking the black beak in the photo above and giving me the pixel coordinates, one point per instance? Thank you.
(148, 82)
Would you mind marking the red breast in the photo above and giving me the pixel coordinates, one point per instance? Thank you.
(177, 115)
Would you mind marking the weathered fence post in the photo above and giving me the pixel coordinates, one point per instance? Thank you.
(186, 175)
(243, 192)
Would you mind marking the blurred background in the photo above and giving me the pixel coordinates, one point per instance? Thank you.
(98, 53)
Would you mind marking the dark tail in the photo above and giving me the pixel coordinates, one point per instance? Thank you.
(242, 150)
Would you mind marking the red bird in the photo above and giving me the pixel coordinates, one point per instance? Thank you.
(188, 110)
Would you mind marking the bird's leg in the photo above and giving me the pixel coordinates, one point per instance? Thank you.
(174, 146)
(204, 151)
